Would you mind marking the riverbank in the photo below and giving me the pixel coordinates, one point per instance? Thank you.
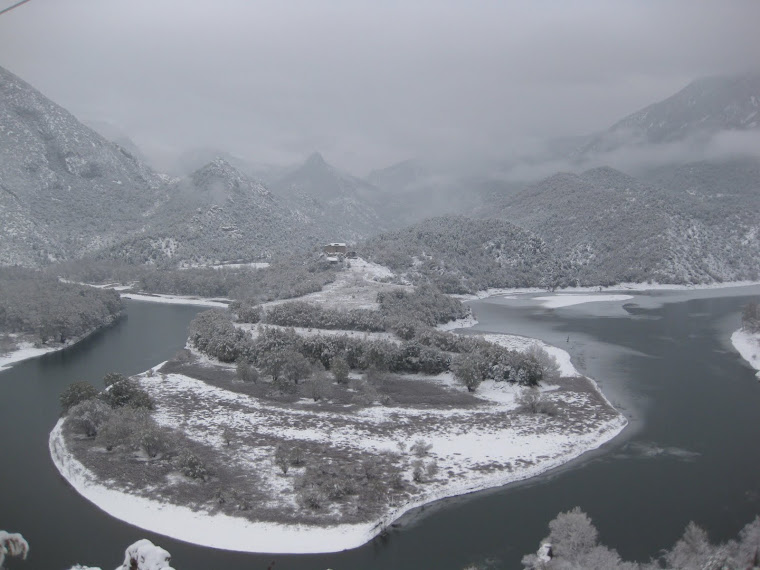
(26, 349)
(633, 287)
(748, 346)
(501, 445)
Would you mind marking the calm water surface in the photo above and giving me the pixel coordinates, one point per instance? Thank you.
(691, 452)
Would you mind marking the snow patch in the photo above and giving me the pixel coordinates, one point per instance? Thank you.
(748, 346)
(177, 300)
(565, 300)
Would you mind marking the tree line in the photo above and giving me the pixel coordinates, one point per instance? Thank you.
(286, 356)
(573, 544)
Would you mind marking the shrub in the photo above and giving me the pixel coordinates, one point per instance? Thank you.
(282, 458)
(112, 378)
(121, 426)
(318, 387)
(153, 439)
(246, 372)
(295, 367)
(420, 448)
(468, 369)
(546, 362)
(312, 498)
(418, 471)
(76, 393)
(190, 465)
(126, 392)
(340, 370)
(87, 417)
(531, 401)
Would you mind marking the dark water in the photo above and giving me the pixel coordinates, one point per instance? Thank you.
(691, 453)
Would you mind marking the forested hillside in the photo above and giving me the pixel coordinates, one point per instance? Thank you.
(464, 255)
(219, 214)
(608, 227)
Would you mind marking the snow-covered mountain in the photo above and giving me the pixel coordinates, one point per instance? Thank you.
(607, 227)
(64, 189)
(219, 214)
(332, 197)
(700, 110)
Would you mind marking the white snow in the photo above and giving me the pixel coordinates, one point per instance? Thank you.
(748, 346)
(147, 555)
(565, 300)
(177, 300)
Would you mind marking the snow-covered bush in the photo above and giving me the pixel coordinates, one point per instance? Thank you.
(133, 428)
(144, 555)
(88, 417)
(190, 465)
(531, 401)
(125, 392)
(12, 544)
(246, 372)
(548, 364)
(468, 369)
(76, 393)
(339, 369)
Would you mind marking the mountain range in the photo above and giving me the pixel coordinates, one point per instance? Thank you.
(67, 192)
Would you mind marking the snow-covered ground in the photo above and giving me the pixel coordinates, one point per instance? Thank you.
(251, 265)
(748, 346)
(355, 288)
(498, 446)
(24, 351)
(177, 300)
(567, 300)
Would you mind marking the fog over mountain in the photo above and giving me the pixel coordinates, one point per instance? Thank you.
(368, 84)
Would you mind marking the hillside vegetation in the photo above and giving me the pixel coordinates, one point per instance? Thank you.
(49, 310)
(463, 255)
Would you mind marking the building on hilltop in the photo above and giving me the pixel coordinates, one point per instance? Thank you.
(335, 249)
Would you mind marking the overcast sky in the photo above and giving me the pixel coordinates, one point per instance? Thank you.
(368, 83)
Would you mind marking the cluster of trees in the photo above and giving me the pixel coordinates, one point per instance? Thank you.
(573, 544)
(751, 317)
(400, 312)
(33, 303)
(119, 417)
(282, 279)
(285, 355)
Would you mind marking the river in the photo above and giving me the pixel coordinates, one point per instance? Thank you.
(690, 453)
